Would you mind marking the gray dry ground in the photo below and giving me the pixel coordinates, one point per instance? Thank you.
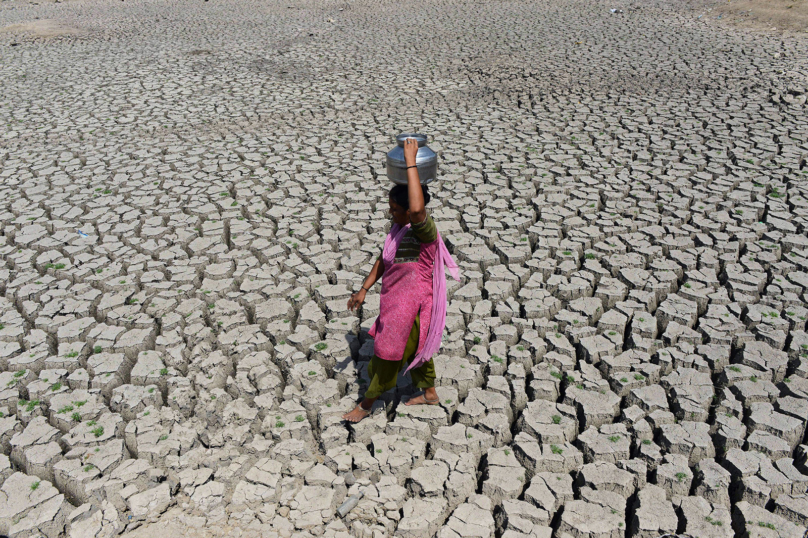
(627, 195)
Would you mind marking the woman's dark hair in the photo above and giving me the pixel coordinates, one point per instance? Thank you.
(400, 195)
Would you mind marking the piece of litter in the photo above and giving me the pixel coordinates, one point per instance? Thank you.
(82, 234)
(349, 504)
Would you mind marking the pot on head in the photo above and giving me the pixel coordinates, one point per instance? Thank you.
(426, 160)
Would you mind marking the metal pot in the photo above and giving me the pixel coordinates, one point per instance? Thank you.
(426, 160)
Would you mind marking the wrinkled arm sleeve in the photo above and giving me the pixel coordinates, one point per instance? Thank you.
(426, 231)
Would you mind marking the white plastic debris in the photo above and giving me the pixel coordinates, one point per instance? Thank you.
(349, 504)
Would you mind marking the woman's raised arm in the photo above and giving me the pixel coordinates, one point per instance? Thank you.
(417, 210)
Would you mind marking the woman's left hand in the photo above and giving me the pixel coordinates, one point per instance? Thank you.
(410, 151)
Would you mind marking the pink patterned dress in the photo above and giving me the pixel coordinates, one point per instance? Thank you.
(406, 292)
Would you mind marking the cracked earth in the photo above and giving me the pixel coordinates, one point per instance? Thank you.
(189, 191)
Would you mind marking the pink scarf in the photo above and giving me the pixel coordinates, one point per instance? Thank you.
(438, 320)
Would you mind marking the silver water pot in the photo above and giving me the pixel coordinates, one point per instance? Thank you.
(426, 160)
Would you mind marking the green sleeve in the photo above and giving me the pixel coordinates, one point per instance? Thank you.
(426, 231)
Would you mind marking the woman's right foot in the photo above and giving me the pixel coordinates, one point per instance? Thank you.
(357, 414)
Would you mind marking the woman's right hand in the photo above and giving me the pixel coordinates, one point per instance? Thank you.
(356, 300)
(410, 151)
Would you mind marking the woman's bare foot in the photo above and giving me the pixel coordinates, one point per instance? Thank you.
(429, 397)
(358, 413)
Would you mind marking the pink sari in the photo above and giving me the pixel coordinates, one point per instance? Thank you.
(407, 295)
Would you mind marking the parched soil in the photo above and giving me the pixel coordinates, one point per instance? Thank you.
(767, 15)
(42, 28)
(191, 191)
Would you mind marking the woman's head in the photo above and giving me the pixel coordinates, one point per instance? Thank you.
(400, 203)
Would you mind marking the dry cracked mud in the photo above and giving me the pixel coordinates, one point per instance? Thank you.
(190, 190)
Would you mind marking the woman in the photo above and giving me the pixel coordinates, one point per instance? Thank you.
(412, 311)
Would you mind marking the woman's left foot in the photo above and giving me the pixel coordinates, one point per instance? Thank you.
(421, 399)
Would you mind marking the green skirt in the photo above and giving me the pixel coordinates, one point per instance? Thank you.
(384, 374)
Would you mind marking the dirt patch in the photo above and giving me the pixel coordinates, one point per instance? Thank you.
(779, 15)
(42, 28)
(177, 523)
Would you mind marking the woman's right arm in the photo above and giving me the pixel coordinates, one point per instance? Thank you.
(375, 274)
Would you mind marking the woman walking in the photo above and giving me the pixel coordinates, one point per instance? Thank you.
(412, 311)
